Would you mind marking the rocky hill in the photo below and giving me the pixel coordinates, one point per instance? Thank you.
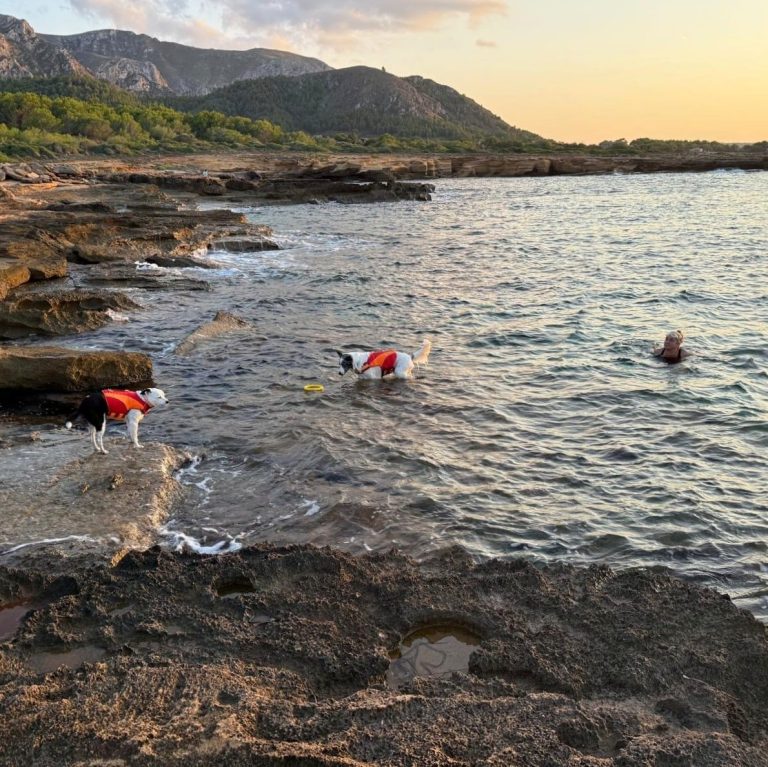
(295, 92)
(356, 99)
(143, 63)
(23, 53)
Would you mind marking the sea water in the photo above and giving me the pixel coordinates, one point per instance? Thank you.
(542, 427)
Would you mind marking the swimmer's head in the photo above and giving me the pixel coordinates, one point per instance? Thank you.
(674, 340)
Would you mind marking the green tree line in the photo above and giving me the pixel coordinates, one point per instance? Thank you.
(47, 118)
(52, 117)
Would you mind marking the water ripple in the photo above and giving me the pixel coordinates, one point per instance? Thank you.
(542, 424)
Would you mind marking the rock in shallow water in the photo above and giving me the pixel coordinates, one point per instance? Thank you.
(55, 487)
(55, 369)
(49, 310)
(223, 322)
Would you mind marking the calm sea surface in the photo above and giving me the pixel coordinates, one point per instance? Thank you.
(542, 426)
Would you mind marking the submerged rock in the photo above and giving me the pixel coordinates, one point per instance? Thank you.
(55, 369)
(223, 322)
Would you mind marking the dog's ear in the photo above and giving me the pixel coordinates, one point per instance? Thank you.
(341, 354)
(145, 391)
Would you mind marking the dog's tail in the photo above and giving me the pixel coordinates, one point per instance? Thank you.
(421, 356)
(72, 418)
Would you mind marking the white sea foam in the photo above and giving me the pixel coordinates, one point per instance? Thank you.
(178, 541)
(188, 468)
(81, 538)
(117, 316)
(146, 266)
(314, 507)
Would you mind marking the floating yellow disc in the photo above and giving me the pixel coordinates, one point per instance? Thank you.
(314, 387)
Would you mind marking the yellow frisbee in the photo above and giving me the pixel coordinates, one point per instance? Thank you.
(314, 387)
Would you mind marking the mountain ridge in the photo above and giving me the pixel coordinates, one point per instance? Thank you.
(24, 53)
(158, 66)
(293, 91)
(355, 99)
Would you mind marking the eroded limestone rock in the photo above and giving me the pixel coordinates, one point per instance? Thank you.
(223, 322)
(29, 311)
(57, 369)
(54, 486)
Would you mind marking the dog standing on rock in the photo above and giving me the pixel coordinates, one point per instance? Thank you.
(117, 405)
(383, 362)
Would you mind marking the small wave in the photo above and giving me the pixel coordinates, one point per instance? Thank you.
(621, 454)
(514, 338)
(181, 542)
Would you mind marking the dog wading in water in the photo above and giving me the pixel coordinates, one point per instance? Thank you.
(383, 362)
(117, 405)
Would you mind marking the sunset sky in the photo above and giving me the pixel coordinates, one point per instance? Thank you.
(571, 71)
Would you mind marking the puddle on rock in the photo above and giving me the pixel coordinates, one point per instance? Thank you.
(46, 662)
(10, 619)
(229, 587)
(437, 650)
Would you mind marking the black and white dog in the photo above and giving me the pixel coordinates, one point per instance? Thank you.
(383, 362)
(116, 405)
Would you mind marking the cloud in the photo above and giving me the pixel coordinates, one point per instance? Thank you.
(304, 23)
(165, 19)
(485, 43)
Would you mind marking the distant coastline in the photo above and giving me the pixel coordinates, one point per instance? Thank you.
(183, 171)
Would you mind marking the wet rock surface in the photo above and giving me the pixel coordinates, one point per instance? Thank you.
(52, 482)
(224, 323)
(124, 275)
(59, 310)
(58, 369)
(279, 656)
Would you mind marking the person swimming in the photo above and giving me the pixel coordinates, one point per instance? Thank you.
(672, 351)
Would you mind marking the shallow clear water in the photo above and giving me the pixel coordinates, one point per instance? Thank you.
(543, 426)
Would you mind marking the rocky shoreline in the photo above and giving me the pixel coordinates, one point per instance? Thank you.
(112, 653)
(297, 656)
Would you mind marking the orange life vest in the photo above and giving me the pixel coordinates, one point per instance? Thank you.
(385, 359)
(120, 401)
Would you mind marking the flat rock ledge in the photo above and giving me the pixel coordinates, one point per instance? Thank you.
(57, 369)
(279, 656)
(53, 232)
(55, 310)
(56, 493)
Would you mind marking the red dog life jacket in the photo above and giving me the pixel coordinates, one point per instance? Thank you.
(386, 360)
(120, 401)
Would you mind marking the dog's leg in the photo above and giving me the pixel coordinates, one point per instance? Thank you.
(132, 425)
(404, 367)
(92, 430)
(101, 433)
